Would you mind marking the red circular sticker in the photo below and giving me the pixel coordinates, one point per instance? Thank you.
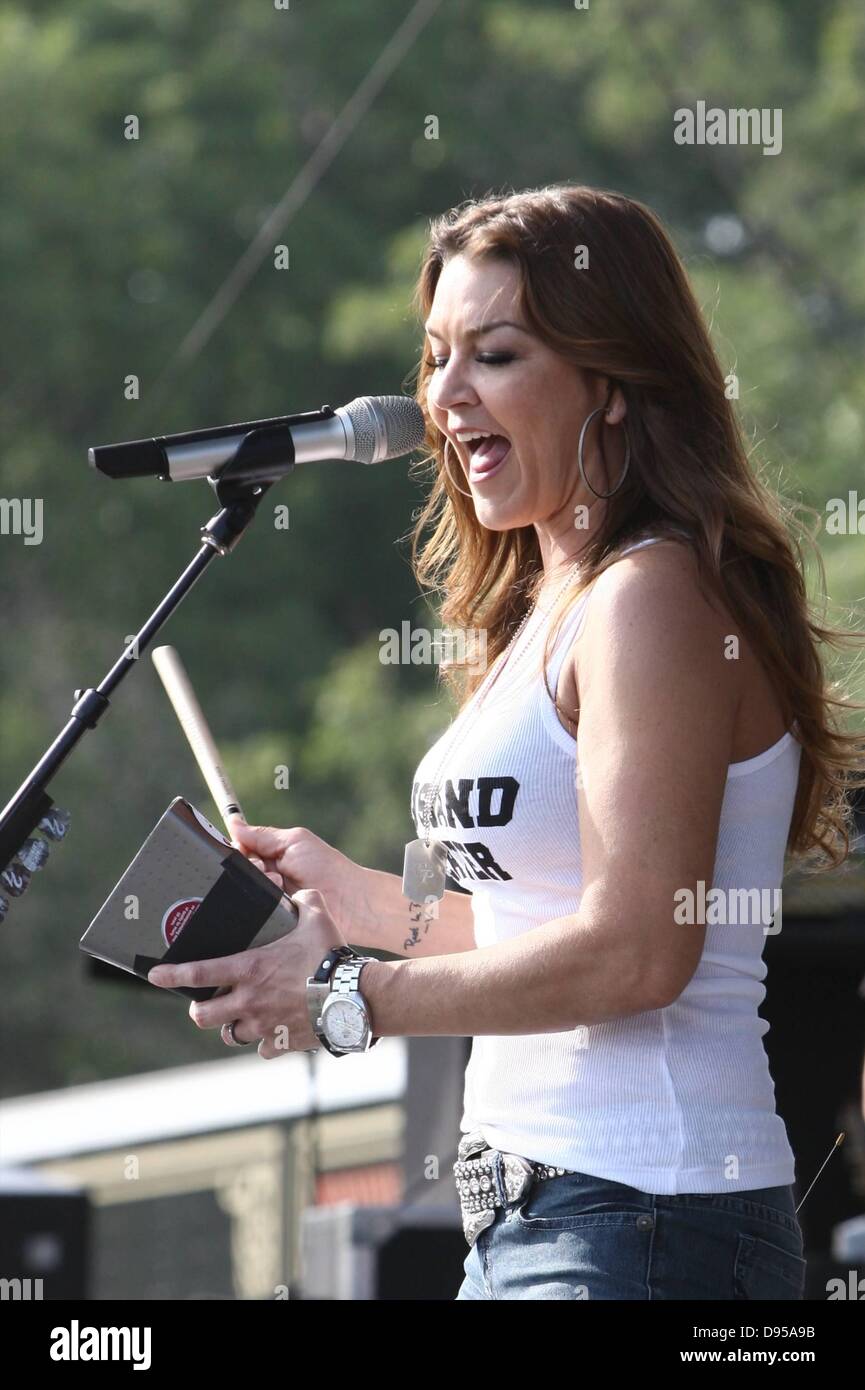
(176, 918)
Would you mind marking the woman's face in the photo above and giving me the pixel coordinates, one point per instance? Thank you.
(509, 382)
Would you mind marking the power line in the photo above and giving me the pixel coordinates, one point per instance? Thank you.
(297, 192)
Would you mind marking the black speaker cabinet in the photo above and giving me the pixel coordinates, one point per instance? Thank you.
(408, 1253)
(44, 1239)
(815, 1046)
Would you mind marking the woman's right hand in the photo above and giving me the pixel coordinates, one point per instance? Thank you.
(296, 858)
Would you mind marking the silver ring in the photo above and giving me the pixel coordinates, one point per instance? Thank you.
(232, 1040)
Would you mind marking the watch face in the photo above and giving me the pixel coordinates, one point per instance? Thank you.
(344, 1023)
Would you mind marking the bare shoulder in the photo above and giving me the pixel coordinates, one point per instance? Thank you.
(652, 626)
(649, 613)
(658, 581)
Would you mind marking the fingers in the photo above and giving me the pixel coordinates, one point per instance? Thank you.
(245, 842)
(223, 970)
(233, 824)
(268, 869)
(271, 873)
(263, 846)
(263, 840)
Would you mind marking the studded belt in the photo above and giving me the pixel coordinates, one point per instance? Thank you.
(479, 1191)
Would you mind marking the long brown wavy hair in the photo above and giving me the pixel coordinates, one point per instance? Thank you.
(633, 317)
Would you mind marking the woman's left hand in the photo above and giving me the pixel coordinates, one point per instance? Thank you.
(266, 996)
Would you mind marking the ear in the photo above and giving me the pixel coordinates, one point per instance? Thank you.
(615, 407)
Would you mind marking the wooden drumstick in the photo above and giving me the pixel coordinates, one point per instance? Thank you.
(193, 723)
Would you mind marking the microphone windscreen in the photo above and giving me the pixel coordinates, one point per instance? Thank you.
(385, 427)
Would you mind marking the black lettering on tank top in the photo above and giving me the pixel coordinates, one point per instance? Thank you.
(459, 804)
(458, 865)
(421, 792)
(456, 804)
(496, 801)
(508, 786)
(487, 866)
(472, 861)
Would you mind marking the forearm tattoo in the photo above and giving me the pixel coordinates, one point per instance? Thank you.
(422, 914)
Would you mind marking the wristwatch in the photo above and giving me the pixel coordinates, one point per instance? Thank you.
(337, 1010)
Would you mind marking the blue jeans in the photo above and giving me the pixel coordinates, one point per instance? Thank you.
(581, 1237)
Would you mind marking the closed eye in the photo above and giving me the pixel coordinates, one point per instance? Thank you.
(488, 359)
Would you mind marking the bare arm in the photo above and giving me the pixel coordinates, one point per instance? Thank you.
(657, 713)
(367, 905)
(657, 706)
(385, 920)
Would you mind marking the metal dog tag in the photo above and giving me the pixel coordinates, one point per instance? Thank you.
(423, 874)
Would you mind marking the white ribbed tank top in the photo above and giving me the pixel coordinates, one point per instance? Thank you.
(672, 1100)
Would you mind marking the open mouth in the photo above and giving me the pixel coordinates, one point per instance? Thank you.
(487, 455)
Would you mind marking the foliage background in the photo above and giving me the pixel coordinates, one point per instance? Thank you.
(111, 249)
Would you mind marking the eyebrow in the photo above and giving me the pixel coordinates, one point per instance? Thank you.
(477, 332)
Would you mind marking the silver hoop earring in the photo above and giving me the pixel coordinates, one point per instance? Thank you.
(450, 475)
(603, 495)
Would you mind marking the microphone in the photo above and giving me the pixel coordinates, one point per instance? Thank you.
(369, 429)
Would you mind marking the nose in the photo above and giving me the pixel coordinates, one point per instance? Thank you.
(450, 386)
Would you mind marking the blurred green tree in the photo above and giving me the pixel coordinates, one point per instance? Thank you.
(112, 250)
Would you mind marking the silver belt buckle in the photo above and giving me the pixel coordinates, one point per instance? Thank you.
(471, 1145)
(476, 1221)
(518, 1176)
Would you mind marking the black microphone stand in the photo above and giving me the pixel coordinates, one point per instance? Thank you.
(239, 487)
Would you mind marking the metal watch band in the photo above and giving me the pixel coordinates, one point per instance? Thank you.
(345, 980)
(346, 975)
(318, 988)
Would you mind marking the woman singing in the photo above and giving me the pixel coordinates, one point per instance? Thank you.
(653, 732)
